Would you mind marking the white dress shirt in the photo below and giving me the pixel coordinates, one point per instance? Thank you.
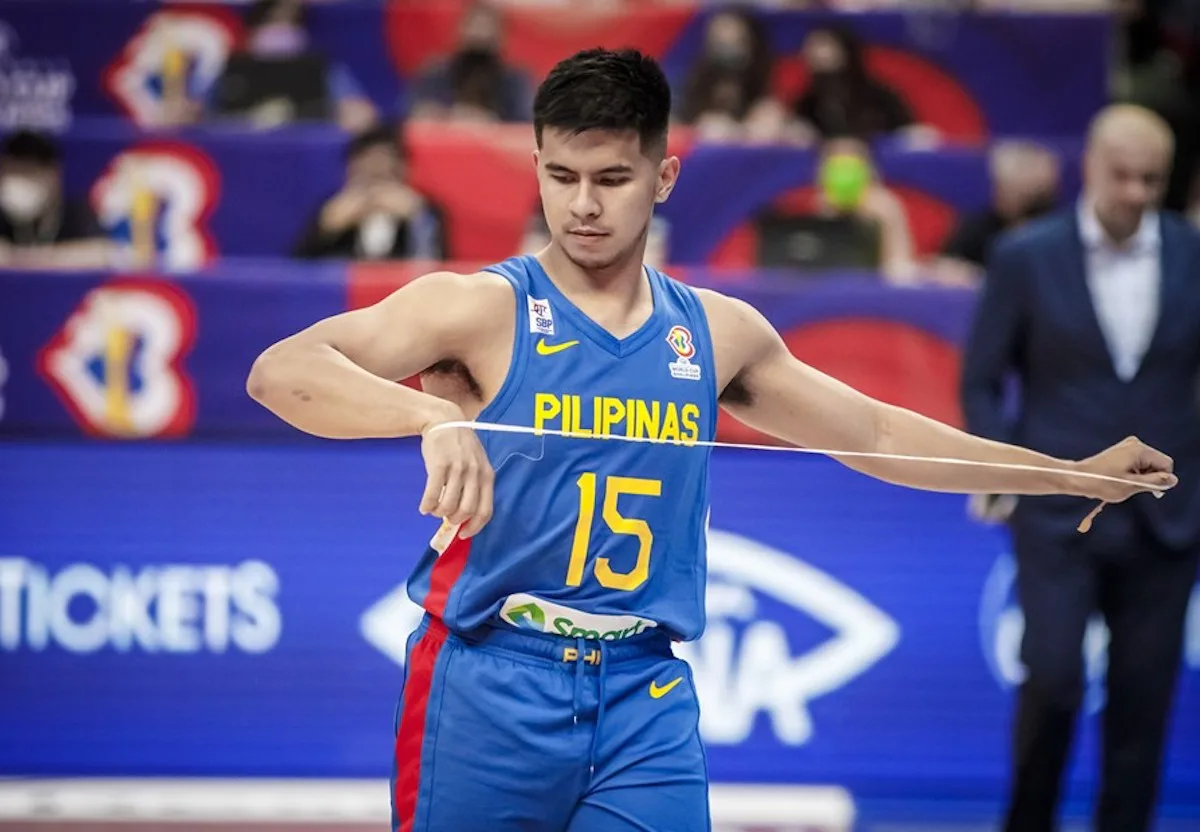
(1124, 284)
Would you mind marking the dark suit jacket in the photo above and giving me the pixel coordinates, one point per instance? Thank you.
(1035, 323)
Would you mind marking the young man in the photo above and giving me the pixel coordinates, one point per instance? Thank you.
(541, 691)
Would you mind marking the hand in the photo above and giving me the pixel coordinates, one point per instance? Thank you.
(345, 209)
(395, 199)
(460, 477)
(1145, 469)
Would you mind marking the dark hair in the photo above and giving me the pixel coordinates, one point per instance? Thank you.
(382, 134)
(260, 11)
(752, 80)
(475, 78)
(28, 146)
(602, 89)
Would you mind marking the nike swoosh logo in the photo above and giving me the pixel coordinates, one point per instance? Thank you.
(658, 693)
(549, 349)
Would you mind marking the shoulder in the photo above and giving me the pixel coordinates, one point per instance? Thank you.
(1175, 226)
(452, 301)
(735, 326)
(1051, 230)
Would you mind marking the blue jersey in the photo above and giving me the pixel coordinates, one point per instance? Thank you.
(591, 538)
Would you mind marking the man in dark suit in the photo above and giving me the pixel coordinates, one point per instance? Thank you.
(1096, 313)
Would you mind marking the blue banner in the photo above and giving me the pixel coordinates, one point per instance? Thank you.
(238, 609)
(143, 356)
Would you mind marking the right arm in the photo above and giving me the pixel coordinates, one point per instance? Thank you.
(338, 378)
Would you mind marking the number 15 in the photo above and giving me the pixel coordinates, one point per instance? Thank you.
(614, 487)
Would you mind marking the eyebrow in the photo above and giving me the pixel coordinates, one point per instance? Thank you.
(554, 167)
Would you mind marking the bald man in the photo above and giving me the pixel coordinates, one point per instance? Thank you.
(1094, 311)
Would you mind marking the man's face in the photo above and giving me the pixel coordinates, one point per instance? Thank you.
(598, 192)
(375, 165)
(1126, 175)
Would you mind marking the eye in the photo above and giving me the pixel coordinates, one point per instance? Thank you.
(613, 182)
(562, 178)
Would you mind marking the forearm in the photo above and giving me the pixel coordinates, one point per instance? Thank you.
(909, 434)
(320, 391)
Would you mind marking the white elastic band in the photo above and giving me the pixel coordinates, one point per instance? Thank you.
(493, 427)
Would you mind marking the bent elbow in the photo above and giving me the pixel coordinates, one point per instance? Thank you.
(263, 376)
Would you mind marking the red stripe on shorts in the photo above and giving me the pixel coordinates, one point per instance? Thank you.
(410, 737)
(446, 570)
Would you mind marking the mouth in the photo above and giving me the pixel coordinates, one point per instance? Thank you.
(588, 233)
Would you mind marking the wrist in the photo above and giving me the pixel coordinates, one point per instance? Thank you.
(438, 412)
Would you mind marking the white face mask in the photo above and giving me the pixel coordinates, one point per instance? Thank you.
(22, 198)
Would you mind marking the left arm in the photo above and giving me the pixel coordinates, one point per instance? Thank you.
(763, 385)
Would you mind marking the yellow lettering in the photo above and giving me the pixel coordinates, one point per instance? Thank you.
(577, 414)
(690, 416)
(597, 414)
(545, 409)
(566, 413)
(670, 428)
(614, 412)
(647, 420)
(630, 412)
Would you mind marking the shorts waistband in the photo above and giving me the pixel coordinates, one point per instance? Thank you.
(560, 649)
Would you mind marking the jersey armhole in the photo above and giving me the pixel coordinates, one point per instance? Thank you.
(707, 355)
(520, 354)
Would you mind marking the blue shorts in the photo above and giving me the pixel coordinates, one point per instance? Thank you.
(521, 731)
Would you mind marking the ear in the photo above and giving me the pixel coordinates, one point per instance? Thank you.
(668, 175)
(537, 154)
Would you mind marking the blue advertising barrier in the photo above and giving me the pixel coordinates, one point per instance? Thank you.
(238, 609)
(142, 356)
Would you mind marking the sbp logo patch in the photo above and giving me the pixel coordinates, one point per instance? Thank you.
(156, 199)
(117, 362)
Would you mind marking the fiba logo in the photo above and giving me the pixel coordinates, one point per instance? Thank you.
(172, 60)
(156, 199)
(116, 362)
(1002, 626)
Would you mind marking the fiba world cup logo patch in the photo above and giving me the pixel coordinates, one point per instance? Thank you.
(680, 341)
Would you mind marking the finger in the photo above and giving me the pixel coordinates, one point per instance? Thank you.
(484, 508)
(1154, 460)
(434, 483)
(452, 493)
(470, 497)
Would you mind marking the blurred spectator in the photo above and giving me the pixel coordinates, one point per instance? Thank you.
(279, 77)
(842, 98)
(850, 188)
(727, 94)
(473, 83)
(39, 226)
(1025, 185)
(854, 221)
(376, 215)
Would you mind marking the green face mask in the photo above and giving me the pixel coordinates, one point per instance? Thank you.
(844, 179)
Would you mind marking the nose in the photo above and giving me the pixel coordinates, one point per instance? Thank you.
(1136, 192)
(584, 204)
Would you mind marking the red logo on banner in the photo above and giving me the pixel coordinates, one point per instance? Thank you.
(156, 198)
(173, 58)
(116, 363)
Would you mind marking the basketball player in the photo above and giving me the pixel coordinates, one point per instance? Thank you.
(541, 692)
